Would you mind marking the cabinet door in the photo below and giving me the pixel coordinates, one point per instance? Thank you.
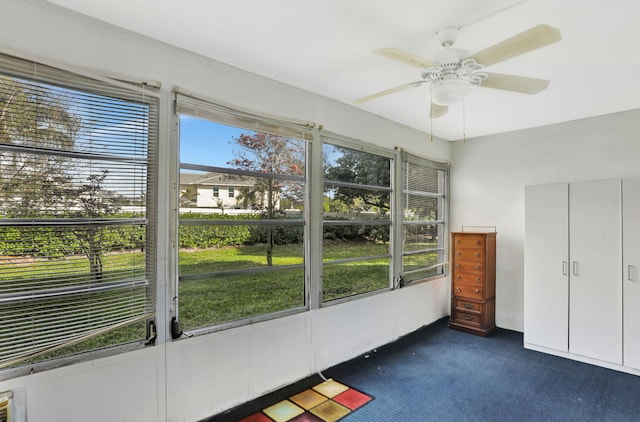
(546, 284)
(595, 283)
(631, 270)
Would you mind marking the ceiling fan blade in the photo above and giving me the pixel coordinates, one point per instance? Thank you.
(438, 110)
(514, 83)
(532, 39)
(403, 56)
(389, 91)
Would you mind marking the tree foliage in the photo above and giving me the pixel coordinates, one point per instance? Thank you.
(272, 155)
(34, 116)
(364, 169)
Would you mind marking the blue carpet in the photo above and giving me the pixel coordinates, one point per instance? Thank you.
(439, 374)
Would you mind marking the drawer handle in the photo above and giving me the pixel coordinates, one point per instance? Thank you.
(459, 277)
(458, 241)
(477, 290)
(478, 280)
(459, 266)
(459, 253)
(477, 254)
(468, 305)
(478, 242)
(458, 289)
(478, 267)
(468, 317)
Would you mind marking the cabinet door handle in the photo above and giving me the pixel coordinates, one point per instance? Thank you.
(575, 268)
(565, 264)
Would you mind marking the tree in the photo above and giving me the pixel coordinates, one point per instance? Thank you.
(94, 202)
(34, 116)
(272, 155)
(188, 197)
(365, 169)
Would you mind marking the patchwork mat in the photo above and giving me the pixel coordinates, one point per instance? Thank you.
(328, 401)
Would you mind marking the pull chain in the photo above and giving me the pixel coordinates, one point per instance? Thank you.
(431, 115)
(464, 119)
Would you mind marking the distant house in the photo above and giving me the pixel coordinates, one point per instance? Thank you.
(219, 190)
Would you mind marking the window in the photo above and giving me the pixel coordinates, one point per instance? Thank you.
(245, 260)
(216, 192)
(77, 257)
(423, 218)
(357, 218)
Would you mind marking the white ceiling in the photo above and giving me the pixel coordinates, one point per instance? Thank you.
(325, 46)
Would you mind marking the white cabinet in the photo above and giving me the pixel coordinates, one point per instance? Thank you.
(595, 279)
(573, 269)
(631, 271)
(546, 287)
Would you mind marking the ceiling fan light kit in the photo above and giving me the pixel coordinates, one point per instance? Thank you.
(452, 73)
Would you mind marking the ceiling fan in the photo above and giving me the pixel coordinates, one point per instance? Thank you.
(452, 73)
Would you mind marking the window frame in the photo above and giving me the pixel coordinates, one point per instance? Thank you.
(211, 110)
(357, 145)
(86, 85)
(443, 239)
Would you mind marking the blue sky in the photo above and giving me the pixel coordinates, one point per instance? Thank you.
(206, 142)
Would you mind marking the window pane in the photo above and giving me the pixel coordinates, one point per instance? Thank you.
(357, 203)
(219, 299)
(422, 201)
(420, 237)
(345, 242)
(242, 240)
(423, 208)
(75, 262)
(420, 266)
(348, 279)
(349, 165)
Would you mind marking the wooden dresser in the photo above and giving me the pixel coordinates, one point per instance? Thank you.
(473, 282)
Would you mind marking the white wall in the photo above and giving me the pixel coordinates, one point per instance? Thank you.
(197, 377)
(488, 176)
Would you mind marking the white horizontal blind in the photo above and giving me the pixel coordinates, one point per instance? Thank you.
(233, 116)
(423, 217)
(77, 170)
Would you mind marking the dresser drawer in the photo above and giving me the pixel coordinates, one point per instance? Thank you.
(464, 290)
(469, 242)
(469, 254)
(468, 278)
(467, 318)
(468, 267)
(468, 305)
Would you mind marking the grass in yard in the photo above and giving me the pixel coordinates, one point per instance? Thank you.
(215, 300)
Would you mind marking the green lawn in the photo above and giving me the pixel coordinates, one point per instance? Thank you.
(214, 300)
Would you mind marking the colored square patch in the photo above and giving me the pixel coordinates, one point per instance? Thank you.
(308, 399)
(307, 417)
(256, 417)
(330, 388)
(283, 411)
(352, 399)
(330, 411)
